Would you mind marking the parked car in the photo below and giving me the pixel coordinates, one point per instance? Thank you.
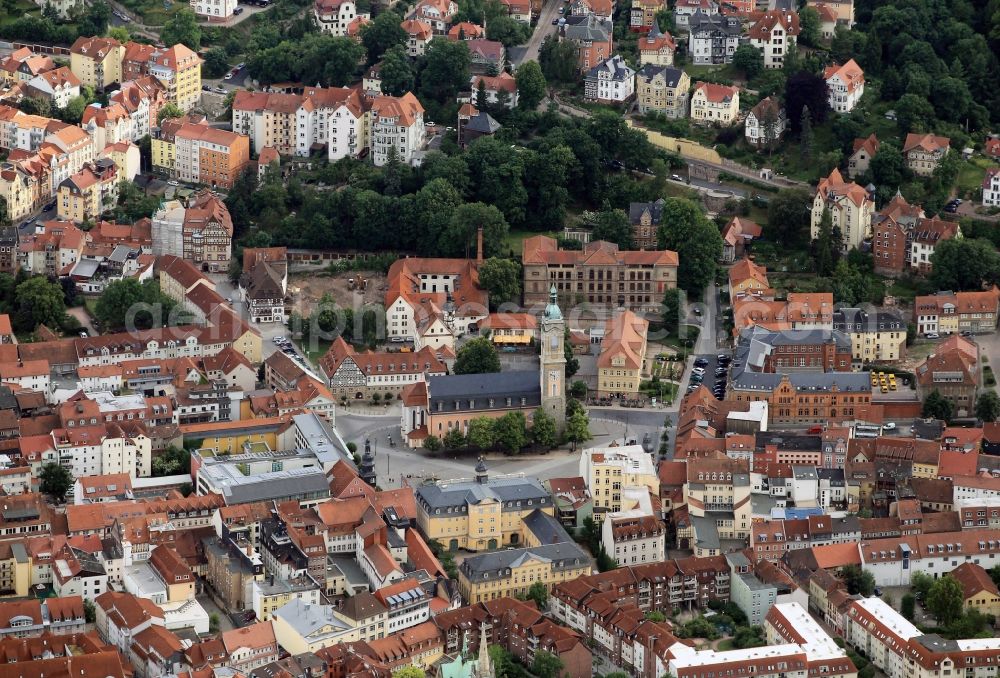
(238, 11)
(701, 362)
(931, 335)
(228, 76)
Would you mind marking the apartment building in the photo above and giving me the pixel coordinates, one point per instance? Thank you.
(953, 370)
(846, 85)
(621, 363)
(804, 397)
(775, 35)
(991, 188)
(634, 537)
(713, 38)
(662, 89)
(924, 239)
(397, 123)
(97, 62)
(206, 155)
(656, 48)
(924, 152)
(612, 473)
(611, 81)
(214, 9)
(715, 104)
(179, 71)
(850, 208)
(949, 313)
(877, 337)
(361, 375)
(57, 86)
(599, 274)
(592, 37)
(88, 193)
(50, 248)
(418, 36)
(201, 232)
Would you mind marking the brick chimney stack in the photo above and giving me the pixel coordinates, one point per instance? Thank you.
(479, 245)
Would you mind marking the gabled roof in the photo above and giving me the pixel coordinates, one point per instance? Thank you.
(927, 143)
(788, 20)
(869, 144)
(717, 93)
(833, 187)
(850, 74)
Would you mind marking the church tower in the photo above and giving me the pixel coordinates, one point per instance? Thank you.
(553, 360)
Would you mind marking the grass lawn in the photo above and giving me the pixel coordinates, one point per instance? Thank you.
(722, 71)
(23, 8)
(322, 346)
(724, 645)
(971, 175)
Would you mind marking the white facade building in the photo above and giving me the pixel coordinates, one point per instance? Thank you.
(610, 81)
(214, 9)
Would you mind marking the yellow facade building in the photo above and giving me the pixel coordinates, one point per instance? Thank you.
(610, 472)
(97, 62)
(229, 437)
(179, 70)
(715, 104)
(86, 194)
(480, 514)
(15, 570)
(978, 590)
(875, 337)
(745, 278)
(623, 354)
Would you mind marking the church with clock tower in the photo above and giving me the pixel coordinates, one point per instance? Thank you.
(443, 403)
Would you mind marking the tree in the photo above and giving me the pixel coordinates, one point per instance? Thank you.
(459, 238)
(913, 113)
(213, 622)
(171, 462)
(55, 481)
(921, 582)
(805, 137)
(89, 611)
(482, 433)
(432, 443)
(612, 226)
(858, 580)
(75, 107)
(478, 356)
(169, 110)
(988, 406)
(578, 428)
(182, 28)
(128, 304)
(945, 599)
(887, 168)
(546, 665)
(397, 71)
(543, 429)
(511, 432)
(809, 27)
(407, 671)
(95, 19)
(936, 406)
(445, 70)
(35, 106)
(788, 216)
(672, 311)
(558, 59)
(907, 606)
(964, 264)
(39, 301)
(530, 85)
(501, 278)
(382, 34)
(216, 62)
(654, 616)
(454, 439)
(826, 250)
(539, 594)
(805, 89)
(749, 60)
(697, 241)
(119, 33)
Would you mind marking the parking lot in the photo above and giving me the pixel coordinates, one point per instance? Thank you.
(710, 364)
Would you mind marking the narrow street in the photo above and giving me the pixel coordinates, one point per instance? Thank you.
(544, 28)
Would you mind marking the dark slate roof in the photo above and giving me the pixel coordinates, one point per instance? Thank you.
(847, 319)
(616, 66)
(483, 123)
(546, 529)
(509, 491)
(805, 381)
(498, 564)
(496, 385)
(787, 441)
(671, 75)
(701, 22)
(635, 210)
(587, 27)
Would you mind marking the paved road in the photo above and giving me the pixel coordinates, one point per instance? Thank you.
(544, 28)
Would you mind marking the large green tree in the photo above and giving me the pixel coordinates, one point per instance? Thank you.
(749, 60)
(501, 278)
(477, 356)
(936, 406)
(578, 428)
(459, 239)
(612, 225)
(543, 429)
(697, 241)
(482, 433)
(55, 480)
(39, 301)
(945, 599)
(382, 34)
(128, 304)
(547, 665)
(512, 432)
(558, 59)
(788, 217)
(445, 69)
(530, 85)
(397, 72)
(809, 27)
(672, 305)
(182, 28)
(988, 406)
(964, 264)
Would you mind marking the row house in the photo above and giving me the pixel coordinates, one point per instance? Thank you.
(953, 312)
(22, 65)
(354, 374)
(88, 193)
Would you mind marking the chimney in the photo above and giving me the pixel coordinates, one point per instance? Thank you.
(479, 245)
